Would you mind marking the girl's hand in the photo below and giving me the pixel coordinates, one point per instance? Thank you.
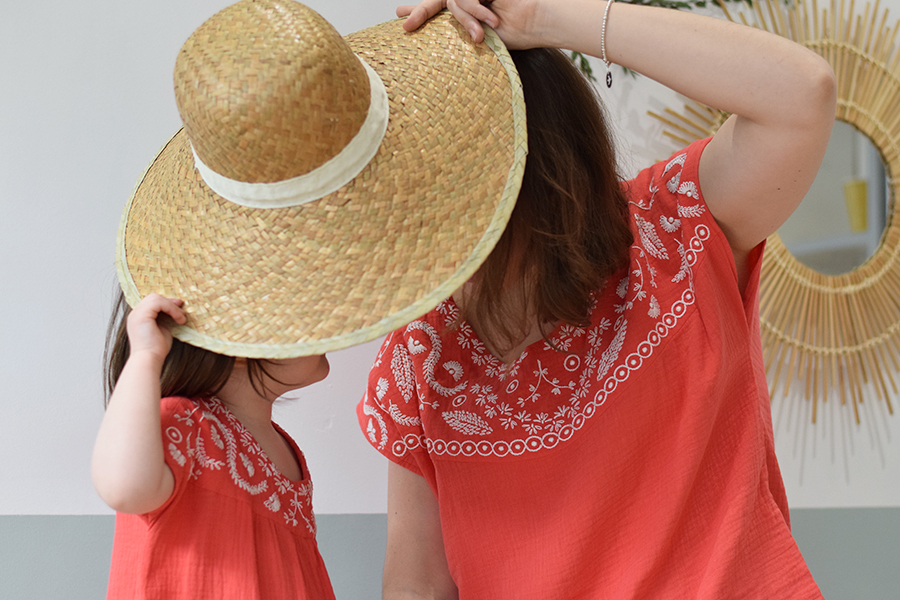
(517, 22)
(145, 332)
(129, 467)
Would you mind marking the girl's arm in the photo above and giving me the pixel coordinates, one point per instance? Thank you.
(415, 565)
(128, 468)
(781, 95)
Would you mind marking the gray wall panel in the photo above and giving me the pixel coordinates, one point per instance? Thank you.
(854, 554)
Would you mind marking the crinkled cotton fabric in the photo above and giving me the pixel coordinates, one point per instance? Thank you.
(635, 460)
(234, 528)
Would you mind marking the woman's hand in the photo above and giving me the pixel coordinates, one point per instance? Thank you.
(517, 22)
(145, 332)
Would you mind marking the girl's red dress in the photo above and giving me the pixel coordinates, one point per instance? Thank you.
(234, 528)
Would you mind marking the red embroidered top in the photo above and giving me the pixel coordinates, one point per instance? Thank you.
(638, 462)
(234, 528)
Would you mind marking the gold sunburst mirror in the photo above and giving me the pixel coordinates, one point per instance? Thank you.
(832, 336)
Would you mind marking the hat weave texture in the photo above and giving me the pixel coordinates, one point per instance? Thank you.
(407, 231)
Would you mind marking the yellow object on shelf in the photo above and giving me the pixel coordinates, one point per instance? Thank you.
(856, 195)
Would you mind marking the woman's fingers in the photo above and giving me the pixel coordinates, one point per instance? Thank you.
(420, 13)
(470, 14)
(477, 10)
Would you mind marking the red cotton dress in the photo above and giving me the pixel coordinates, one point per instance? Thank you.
(638, 463)
(234, 528)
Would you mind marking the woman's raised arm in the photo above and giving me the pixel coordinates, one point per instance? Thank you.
(781, 95)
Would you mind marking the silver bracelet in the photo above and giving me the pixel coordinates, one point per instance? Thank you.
(603, 43)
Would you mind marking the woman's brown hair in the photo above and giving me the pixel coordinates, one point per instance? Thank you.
(188, 371)
(570, 229)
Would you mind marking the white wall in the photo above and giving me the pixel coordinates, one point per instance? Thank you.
(85, 102)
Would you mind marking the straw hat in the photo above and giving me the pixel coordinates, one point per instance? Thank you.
(323, 190)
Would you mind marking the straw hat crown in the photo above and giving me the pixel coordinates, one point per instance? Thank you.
(269, 91)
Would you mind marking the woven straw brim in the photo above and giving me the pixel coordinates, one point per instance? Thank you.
(411, 228)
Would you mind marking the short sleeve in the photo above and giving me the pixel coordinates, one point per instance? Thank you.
(179, 424)
(389, 412)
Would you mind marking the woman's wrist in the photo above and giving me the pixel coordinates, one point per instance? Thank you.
(570, 24)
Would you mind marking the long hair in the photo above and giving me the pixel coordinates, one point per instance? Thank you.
(188, 371)
(570, 228)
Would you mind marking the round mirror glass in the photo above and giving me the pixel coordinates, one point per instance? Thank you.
(839, 224)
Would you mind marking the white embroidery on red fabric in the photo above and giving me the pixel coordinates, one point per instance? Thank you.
(526, 418)
(238, 450)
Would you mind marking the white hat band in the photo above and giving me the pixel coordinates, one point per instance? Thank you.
(321, 181)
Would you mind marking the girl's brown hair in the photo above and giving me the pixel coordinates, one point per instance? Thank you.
(570, 228)
(188, 371)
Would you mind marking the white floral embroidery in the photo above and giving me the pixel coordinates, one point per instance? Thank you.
(273, 503)
(402, 367)
(177, 455)
(214, 439)
(669, 224)
(381, 388)
(689, 189)
(433, 358)
(532, 405)
(247, 464)
(467, 423)
(649, 239)
(688, 212)
(402, 419)
(455, 369)
(381, 443)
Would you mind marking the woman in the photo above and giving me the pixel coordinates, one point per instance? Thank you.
(588, 416)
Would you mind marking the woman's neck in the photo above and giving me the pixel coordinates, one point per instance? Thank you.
(520, 322)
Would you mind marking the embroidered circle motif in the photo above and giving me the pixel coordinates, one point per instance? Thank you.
(517, 447)
(550, 440)
(459, 401)
(572, 362)
(412, 441)
(174, 434)
(469, 448)
(513, 386)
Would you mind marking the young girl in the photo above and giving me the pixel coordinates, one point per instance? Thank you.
(220, 504)
(284, 219)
